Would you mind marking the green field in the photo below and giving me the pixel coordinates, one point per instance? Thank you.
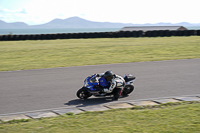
(164, 118)
(23, 55)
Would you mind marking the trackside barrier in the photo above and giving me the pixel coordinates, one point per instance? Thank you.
(85, 35)
(198, 32)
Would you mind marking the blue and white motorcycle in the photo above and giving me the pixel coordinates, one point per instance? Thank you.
(90, 88)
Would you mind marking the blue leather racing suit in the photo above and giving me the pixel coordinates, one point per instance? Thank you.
(103, 83)
(108, 86)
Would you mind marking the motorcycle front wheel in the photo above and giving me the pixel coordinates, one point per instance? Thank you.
(83, 93)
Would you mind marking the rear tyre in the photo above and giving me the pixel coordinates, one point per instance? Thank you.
(83, 93)
(128, 89)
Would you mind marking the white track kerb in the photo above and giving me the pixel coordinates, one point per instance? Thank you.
(99, 107)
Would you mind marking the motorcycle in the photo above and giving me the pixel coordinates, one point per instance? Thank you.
(90, 88)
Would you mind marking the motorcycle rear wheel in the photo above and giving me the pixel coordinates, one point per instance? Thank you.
(128, 89)
(83, 93)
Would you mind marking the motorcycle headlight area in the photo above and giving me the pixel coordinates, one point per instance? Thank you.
(86, 83)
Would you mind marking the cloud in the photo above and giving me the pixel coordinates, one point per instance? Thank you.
(126, 11)
(16, 16)
(11, 15)
(7, 11)
(23, 11)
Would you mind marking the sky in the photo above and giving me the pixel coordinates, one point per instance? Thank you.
(35, 12)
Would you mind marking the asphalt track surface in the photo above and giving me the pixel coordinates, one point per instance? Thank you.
(39, 89)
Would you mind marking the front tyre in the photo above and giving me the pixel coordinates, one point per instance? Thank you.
(83, 93)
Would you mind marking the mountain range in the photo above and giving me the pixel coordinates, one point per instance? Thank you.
(76, 22)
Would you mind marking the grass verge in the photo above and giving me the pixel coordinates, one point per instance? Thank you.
(23, 55)
(183, 117)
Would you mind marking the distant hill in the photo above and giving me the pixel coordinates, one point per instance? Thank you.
(14, 25)
(76, 22)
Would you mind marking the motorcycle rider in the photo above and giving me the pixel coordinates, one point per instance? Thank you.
(108, 81)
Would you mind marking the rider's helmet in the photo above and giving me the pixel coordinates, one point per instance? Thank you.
(108, 75)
